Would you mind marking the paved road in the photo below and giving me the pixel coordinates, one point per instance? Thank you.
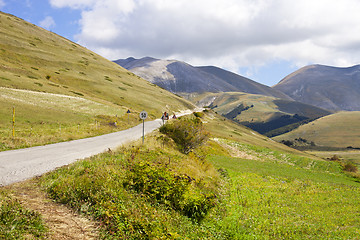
(19, 165)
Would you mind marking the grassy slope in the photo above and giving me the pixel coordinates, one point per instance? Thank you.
(264, 108)
(269, 191)
(337, 130)
(221, 127)
(17, 221)
(277, 193)
(34, 59)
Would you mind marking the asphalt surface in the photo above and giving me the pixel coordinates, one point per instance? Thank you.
(22, 164)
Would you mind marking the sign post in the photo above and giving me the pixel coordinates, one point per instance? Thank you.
(143, 115)
(13, 123)
(128, 111)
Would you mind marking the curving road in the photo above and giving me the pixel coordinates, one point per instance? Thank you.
(19, 165)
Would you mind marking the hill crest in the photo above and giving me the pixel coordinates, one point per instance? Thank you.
(323, 86)
(180, 77)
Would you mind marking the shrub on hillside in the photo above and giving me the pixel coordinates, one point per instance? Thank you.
(157, 183)
(288, 143)
(187, 133)
(199, 114)
(178, 192)
(350, 167)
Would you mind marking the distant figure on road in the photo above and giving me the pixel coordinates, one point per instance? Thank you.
(165, 116)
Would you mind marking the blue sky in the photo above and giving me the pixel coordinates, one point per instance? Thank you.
(264, 40)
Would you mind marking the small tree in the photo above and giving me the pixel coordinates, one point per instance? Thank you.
(187, 133)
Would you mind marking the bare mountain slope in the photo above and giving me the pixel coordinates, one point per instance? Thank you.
(324, 86)
(180, 77)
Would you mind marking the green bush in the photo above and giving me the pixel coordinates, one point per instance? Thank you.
(160, 185)
(197, 203)
(157, 183)
(187, 133)
(199, 114)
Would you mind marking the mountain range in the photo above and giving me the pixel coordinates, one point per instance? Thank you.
(310, 93)
(182, 78)
(327, 87)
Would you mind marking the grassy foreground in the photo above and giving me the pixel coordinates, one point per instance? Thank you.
(17, 222)
(147, 192)
(155, 192)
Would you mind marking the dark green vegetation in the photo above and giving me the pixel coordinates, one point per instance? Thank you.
(16, 222)
(62, 91)
(187, 133)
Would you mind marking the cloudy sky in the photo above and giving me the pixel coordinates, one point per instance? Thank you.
(261, 39)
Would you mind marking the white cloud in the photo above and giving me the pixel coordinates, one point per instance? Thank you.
(230, 34)
(78, 4)
(47, 23)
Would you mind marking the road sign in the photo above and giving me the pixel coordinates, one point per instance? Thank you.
(143, 115)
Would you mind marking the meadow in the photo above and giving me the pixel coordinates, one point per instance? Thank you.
(154, 191)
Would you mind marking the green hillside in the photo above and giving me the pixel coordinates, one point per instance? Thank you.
(259, 112)
(337, 130)
(90, 89)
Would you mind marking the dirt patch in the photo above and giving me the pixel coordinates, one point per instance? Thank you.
(235, 152)
(63, 223)
(239, 154)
